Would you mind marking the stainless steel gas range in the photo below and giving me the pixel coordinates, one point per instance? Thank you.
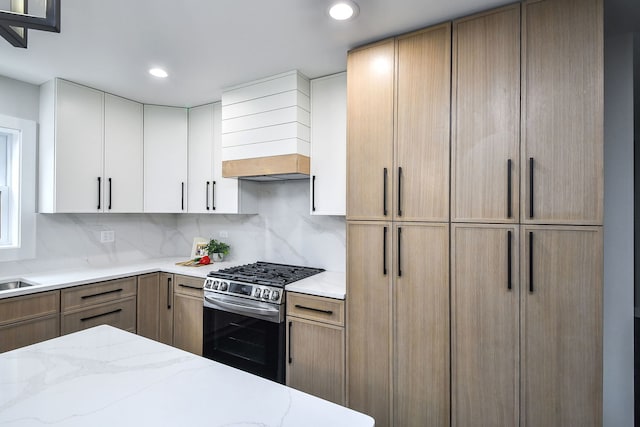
(244, 314)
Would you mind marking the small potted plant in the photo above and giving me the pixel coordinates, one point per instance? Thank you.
(217, 250)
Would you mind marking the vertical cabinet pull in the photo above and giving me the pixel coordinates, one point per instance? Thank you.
(110, 193)
(169, 293)
(509, 271)
(384, 251)
(509, 196)
(530, 187)
(213, 195)
(207, 193)
(399, 191)
(99, 192)
(313, 193)
(531, 261)
(182, 198)
(399, 251)
(290, 358)
(384, 192)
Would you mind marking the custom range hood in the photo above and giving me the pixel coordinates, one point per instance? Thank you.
(265, 129)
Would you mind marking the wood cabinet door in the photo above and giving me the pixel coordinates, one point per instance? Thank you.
(421, 328)
(123, 160)
(316, 358)
(165, 318)
(485, 320)
(561, 335)
(187, 323)
(369, 320)
(485, 130)
(562, 112)
(370, 79)
(79, 130)
(148, 306)
(21, 334)
(165, 159)
(421, 174)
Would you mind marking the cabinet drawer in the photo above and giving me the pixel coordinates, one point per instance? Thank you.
(121, 314)
(188, 285)
(29, 332)
(97, 293)
(29, 306)
(311, 307)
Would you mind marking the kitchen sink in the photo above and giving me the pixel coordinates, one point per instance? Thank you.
(13, 284)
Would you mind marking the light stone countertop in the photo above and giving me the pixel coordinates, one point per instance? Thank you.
(107, 377)
(328, 284)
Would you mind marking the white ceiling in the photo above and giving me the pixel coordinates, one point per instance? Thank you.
(207, 45)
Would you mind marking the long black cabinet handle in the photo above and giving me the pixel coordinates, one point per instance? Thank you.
(182, 202)
(313, 193)
(384, 251)
(385, 177)
(530, 187)
(110, 193)
(509, 271)
(509, 196)
(213, 195)
(190, 287)
(84, 319)
(113, 291)
(99, 192)
(531, 261)
(207, 192)
(313, 309)
(399, 251)
(399, 191)
(290, 358)
(169, 280)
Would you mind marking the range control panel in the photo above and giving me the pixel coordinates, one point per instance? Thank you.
(245, 290)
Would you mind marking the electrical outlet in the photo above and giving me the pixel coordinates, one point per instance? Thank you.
(224, 234)
(107, 236)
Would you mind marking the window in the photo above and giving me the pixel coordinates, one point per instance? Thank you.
(17, 188)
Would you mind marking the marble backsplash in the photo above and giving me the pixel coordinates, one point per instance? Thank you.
(282, 231)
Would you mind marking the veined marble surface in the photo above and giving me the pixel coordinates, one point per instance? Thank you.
(283, 231)
(107, 377)
(330, 284)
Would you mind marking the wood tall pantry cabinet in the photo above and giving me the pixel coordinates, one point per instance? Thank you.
(521, 234)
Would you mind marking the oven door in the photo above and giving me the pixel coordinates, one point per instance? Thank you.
(247, 337)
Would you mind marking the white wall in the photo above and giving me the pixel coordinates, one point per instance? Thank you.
(19, 99)
(618, 235)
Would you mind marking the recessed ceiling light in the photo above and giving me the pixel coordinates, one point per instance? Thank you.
(158, 72)
(343, 10)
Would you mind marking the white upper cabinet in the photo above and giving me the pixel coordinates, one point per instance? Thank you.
(123, 184)
(70, 148)
(328, 144)
(209, 192)
(165, 159)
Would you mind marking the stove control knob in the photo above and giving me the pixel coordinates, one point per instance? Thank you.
(257, 292)
(265, 293)
(223, 286)
(275, 295)
(215, 285)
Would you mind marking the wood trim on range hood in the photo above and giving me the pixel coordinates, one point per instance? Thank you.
(289, 166)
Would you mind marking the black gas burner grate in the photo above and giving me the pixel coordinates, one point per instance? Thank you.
(266, 273)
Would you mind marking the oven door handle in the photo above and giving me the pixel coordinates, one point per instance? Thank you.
(243, 308)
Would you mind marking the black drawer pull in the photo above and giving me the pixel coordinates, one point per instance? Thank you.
(385, 177)
(290, 358)
(509, 256)
(190, 287)
(168, 293)
(399, 251)
(313, 309)
(213, 195)
(384, 251)
(99, 193)
(313, 193)
(84, 319)
(531, 262)
(207, 193)
(110, 193)
(399, 191)
(530, 187)
(113, 291)
(509, 196)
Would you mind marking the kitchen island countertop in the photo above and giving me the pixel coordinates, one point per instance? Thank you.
(106, 377)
